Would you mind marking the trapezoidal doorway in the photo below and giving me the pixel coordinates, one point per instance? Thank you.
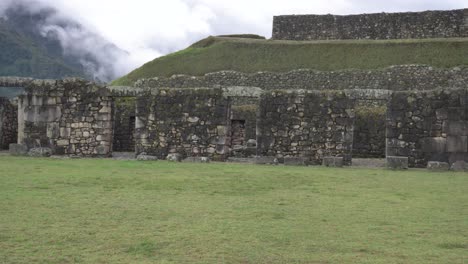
(124, 125)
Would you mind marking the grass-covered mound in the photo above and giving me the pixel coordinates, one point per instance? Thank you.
(252, 55)
(108, 211)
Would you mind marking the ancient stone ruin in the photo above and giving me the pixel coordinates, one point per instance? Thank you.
(414, 115)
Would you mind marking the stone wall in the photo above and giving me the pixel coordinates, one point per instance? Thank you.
(7, 81)
(396, 78)
(305, 124)
(124, 124)
(191, 122)
(430, 24)
(70, 116)
(428, 126)
(8, 123)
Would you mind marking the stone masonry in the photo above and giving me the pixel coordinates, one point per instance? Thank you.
(309, 125)
(428, 126)
(8, 123)
(190, 122)
(69, 116)
(396, 78)
(411, 25)
(414, 115)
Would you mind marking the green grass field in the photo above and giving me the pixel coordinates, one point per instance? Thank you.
(108, 211)
(252, 55)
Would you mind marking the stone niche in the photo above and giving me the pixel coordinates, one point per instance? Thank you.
(70, 116)
(306, 124)
(8, 122)
(428, 126)
(190, 122)
(243, 129)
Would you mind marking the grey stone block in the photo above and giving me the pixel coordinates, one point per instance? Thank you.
(40, 152)
(241, 160)
(124, 155)
(197, 160)
(18, 150)
(434, 144)
(251, 143)
(397, 163)
(266, 160)
(296, 161)
(454, 157)
(457, 128)
(145, 157)
(457, 144)
(102, 150)
(459, 166)
(333, 162)
(438, 166)
(174, 157)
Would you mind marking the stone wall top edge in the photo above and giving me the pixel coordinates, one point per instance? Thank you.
(14, 81)
(376, 14)
(393, 67)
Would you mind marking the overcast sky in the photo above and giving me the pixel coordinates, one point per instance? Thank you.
(151, 28)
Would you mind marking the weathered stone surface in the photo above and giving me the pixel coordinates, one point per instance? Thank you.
(197, 159)
(438, 166)
(305, 124)
(241, 160)
(101, 150)
(427, 126)
(144, 157)
(40, 152)
(8, 122)
(266, 160)
(457, 144)
(395, 78)
(429, 24)
(369, 163)
(457, 128)
(124, 155)
(252, 143)
(454, 157)
(397, 163)
(191, 122)
(175, 157)
(70, 116)
(296, 161)
(434, 145)
(18, 150)
(333, 162)
(459, 166)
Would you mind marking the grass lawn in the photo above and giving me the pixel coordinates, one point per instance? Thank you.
(108, 211)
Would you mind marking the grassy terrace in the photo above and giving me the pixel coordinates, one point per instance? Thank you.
(253, 55)
(107, 211)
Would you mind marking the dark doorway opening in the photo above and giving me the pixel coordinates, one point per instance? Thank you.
(369, 134)
(124, 125)
(124, 136)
